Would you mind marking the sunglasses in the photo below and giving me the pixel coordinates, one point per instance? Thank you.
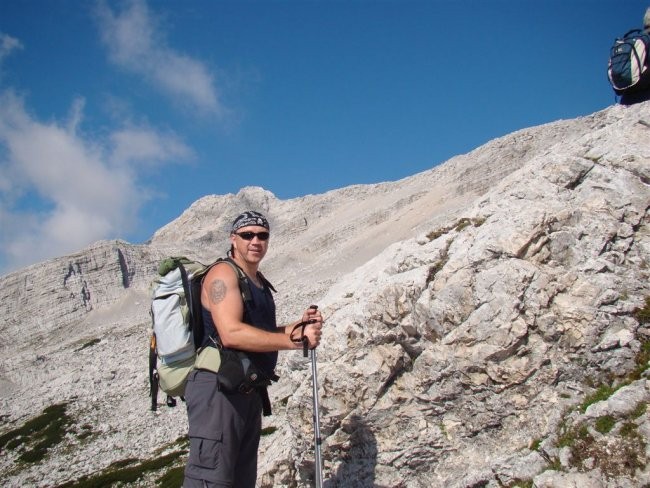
(248, 236)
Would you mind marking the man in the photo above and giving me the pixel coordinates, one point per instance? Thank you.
(224, 426)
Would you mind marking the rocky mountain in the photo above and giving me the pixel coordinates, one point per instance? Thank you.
(486, 326)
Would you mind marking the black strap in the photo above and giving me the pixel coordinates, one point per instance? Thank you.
(243, 279)
(193, 305)
(633, 32)
(266, 402)
(265, 282)
(153, 375)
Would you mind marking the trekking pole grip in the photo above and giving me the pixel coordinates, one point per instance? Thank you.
(305, 346)
(303, 337)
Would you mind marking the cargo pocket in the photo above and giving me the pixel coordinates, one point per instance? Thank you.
(200, 392)
(205, 458)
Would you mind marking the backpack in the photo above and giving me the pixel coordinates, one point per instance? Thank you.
(178, 330)
(628, 68)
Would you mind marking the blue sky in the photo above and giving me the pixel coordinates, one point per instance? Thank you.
(115, 116)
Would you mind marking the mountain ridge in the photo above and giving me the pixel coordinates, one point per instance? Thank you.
(466, 308)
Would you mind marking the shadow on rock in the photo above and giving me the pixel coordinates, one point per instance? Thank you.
(359, 457)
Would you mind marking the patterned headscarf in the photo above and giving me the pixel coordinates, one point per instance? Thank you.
(249, 217)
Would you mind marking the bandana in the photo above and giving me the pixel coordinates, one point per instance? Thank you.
(249, 218)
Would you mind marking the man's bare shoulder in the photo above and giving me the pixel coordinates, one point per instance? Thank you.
(219, 283)
(221, 271)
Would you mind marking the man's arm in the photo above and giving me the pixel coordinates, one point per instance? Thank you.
(220, 294)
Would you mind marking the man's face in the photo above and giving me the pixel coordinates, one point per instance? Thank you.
(251, 243)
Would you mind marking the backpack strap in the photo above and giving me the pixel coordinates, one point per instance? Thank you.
(241, 277)
(244, 285)
(193, 306)
(265, 282)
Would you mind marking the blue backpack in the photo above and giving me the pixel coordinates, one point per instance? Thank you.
(629, 62)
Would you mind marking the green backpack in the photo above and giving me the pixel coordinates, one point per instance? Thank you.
(177, 327)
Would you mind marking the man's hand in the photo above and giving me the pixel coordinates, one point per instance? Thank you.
(314, 328)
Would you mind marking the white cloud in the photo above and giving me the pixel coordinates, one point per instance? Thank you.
(59, 191)
(146, 146)
(136, 43)
(7, 45)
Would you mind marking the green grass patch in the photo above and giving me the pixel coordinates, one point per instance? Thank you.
(127, 472)
(462, 223)
(639, 410)
(458, 226)
(629, 429)
(602, 393)
(521, 484)
(173, 478)
(605, 424)
(641, 360)
(555, 465)
(181, 443)
(123, 463)
(478, 221)
(36, 436)
(268, 430)
(434, 234)
(618, 456)
(643, 314)
(571, 435)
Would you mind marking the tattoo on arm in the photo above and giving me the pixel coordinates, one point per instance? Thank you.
(217, 291)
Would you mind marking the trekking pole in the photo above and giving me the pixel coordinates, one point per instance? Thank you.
(317, 439)
(318, 458)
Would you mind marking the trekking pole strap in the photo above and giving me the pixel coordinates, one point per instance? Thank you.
(305, 342)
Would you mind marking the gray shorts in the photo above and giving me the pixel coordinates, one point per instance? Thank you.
(224, 432)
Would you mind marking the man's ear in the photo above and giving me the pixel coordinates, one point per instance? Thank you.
(232, 245)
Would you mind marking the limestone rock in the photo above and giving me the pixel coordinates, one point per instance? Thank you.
(473, 312)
